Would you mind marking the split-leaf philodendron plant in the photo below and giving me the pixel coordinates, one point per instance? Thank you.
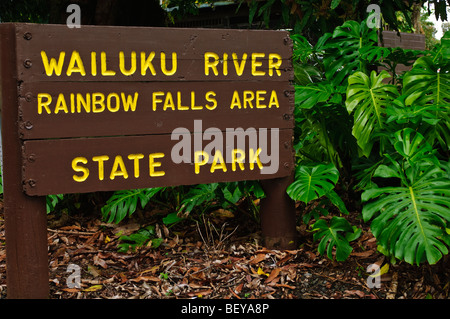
(390, 132)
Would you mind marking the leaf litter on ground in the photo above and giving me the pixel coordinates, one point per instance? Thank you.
(230, 263)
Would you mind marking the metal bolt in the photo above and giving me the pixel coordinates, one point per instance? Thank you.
(286, 40)
(286, 165)
(28, 97)
(287, 93)
(27, 63)
(27, 36)
(286, 117)
(28, 125)
(31, 158)
(286, 144)
(31, 182)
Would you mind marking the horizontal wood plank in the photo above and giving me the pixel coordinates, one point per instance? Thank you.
(53, 166)
(189, 45)
(62, 110)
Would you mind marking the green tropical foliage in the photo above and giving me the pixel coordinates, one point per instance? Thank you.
(124, 203)
(337, 234)
(367, 98)
(428, 82)
(143, 237)
(394, 142)
(313, 182)
(410, 221)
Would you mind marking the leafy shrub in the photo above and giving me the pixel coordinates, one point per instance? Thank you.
(331, 235)
(393, 140)
(124, 203)
(144, 236)
(411, 221)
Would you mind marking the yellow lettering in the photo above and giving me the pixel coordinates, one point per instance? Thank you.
(174, 64)
(72, 103)
(193, 106)
(118, 168)
(254, 158)
(85, 103)
(105, 71)
(108, 102)
(235, 100)
(198, 162)
(53, 66)
(101, 167)
(274, 65)
(211, 100)
(146, 63)
(239, 67)
(248, 97)
(211, 64)
(98, 99)
(76, 168)
(94, 63)
(61, 104)
(136, 158)
(235, 159)
(273, 100)
(225, 64)
(129, 102)
(260, 98)
(168, 102)
(218, 162)
(75, 59)
(45, 104)
(122, 63)
(155, 99)
(256, 64)
(179, 106)
(154, 164)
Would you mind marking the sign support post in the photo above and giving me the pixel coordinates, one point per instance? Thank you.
(25, 216)
(277, 214)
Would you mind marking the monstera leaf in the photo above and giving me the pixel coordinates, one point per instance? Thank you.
(413, 147)
(337, 234)
(428, 82)
(410, 221)
(307, 97)
(313, 182)
(368, 97)
(343, 56)
(125, 202)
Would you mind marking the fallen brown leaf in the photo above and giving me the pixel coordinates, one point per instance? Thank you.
(70, 289)
(146, 278)
(363, 254)
(358, 293)
(200, 293)
(257, 259)
(238, 288)
(285, 286)
(273, 274)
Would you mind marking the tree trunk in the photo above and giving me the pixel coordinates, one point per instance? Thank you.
(415, 18)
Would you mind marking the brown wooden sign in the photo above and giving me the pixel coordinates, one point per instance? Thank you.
(109, 108)
(102, 164)
(124, 93)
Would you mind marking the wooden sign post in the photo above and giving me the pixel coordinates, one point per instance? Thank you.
(111, 108)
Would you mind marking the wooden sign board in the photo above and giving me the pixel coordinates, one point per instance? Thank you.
(120, 93)
(111, 108)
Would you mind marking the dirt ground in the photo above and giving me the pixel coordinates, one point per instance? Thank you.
(220, 258)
